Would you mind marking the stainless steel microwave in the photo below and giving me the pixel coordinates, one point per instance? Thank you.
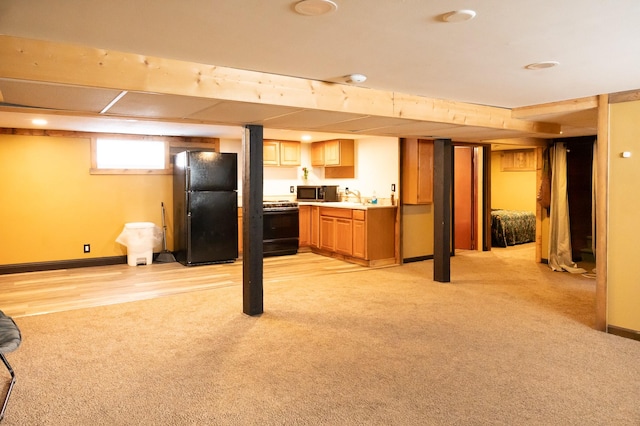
(317, 193)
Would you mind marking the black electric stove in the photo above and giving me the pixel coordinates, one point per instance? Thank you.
(281, 228)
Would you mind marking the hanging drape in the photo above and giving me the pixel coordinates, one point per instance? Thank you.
(560, 258)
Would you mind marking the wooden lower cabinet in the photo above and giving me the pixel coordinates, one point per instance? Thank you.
(328, 233)
(304, 219)
(361, 236)
(315, 226)
(344, 236)
(359, 239)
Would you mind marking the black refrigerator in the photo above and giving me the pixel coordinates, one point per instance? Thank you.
(205, 203)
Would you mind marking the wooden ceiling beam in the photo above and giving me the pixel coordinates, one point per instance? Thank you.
(572, 105)
(58, 63)
(520, 142)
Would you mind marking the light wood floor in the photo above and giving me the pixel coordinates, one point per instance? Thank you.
(37, 293)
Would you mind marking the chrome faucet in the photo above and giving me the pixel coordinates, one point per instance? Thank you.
(355, 192)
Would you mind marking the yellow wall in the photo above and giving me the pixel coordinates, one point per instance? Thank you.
(51, 205)
(417, 230)
(623, 276)
(512, 190)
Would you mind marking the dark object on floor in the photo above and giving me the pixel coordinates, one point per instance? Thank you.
(165, 256)
(10, 339)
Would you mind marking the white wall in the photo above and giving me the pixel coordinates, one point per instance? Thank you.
(377, 167)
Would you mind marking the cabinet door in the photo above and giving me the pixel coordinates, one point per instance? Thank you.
(315, 226)
(270, 153)
(417, 171)
(289, 153)
(344, 236)
(332, 153)
(317, 154)
(359, 239)
(305, 225)
(327, 233)
(425, 172)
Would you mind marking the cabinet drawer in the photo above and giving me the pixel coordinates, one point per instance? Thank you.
(359, 214)
(335, 212)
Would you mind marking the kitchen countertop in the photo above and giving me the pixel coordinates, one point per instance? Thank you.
(346, 205)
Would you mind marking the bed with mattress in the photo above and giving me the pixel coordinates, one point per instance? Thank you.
(511, 227)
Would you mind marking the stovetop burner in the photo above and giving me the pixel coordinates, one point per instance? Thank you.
(279, 205)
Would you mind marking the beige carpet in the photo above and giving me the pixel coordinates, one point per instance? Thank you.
(507, 342)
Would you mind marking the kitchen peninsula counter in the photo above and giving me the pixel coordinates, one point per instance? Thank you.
(355, 232)
(346, 205)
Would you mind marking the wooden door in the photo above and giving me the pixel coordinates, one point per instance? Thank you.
(463, 199)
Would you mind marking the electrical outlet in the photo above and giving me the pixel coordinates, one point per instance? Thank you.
(87, 248)
(292, 189)
(393, 187)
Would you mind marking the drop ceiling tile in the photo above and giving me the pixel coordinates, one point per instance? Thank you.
(414, 128)
(362, 124)
(240, 113)
(153, 105)
(55, 96)
(310, 119)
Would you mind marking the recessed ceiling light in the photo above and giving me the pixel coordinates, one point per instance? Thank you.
(315, 7)
(459, 16)
(39, 121)
(542, 65)
(306, 138)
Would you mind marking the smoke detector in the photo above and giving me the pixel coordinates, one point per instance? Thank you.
(356, 78)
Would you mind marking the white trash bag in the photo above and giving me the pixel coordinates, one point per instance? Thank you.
(140, 238)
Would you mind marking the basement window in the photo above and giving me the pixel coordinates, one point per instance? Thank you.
(129, 156)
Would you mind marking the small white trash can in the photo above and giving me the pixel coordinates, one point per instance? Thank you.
(139, 238)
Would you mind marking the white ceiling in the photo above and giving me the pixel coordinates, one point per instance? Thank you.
(401, 45)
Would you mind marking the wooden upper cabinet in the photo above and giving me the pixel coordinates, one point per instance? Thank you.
(339, 152)
(333, 153)
(271, 153)
(417, 171)
(289, 153)
(336, 156)
(281, 153)
(317, 154)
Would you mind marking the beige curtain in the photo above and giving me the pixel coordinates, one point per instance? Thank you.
(560, 258)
